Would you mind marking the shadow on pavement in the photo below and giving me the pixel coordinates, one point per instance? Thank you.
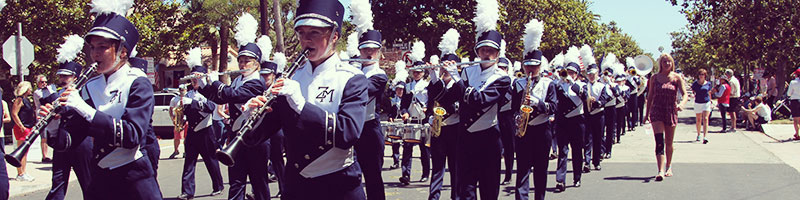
(630, 178)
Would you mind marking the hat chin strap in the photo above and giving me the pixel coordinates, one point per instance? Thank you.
(116, 58)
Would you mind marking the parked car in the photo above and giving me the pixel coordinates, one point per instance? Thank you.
(162, 123)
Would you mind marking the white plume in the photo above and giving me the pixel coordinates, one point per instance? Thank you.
(361, 11)
(449, 43)
(465, 59)
(477, 59)
(434, 59)
(265, 44)
(73, 45)
(2, 4)
(194, 57)
(352, 44)
(533, 35)
(280, 59)
(400, 72)
(343, 55)
(630, 62)
(503, 48)
(545, 66)
(558, 60)
(619, 68)
(573, 56)
(608, 61)
(587, 56)
(246, 29)
(517, 67)
(417, 51)
(486, 16)
(119, 7)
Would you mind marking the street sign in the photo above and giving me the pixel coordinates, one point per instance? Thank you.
(10, 53)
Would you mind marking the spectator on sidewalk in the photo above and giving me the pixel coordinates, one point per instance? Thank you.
(793, 92)
(178, 133)
(24, 118)
(722, 93)
(772, 89)
(735, 102)
(662, 111)
(758, 115)
(702, 103)
(44, 90)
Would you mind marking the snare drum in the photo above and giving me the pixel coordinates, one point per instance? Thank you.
(412, 133)
(395, 130)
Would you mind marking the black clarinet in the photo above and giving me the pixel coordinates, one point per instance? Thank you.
(14, 157)
(225, 155)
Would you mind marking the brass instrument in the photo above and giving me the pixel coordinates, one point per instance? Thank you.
(526, 109)
(359, 60)
(563, 73)
(193, 76)
(16, 156)
(457, 64)
(438, 118)
(643, 64)
(226, 154)
(178, 119)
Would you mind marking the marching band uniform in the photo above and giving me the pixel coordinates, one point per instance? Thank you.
(595, 120)
(622, 112)
(413, 103)
(322, 112)
(369, 147)
(533, 148)
(252, 161)
(569, 117)
(444, 146)
(394, 114)
(480, 92)
(117, 109)
(633, 83)
(507, 127)
(200, 140)
(610, 113)
(68, 153)
(151, 147)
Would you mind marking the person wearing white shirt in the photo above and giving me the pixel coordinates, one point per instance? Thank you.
(734, 100)
(760, 114)
(793, 92)
(177, 135)
(44, 91)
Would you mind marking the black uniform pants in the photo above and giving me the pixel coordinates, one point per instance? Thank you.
(593, 149)
(425, 158)
(632, 107)
(251, 161)
(203, 144)
(570, 132)
(479, 164)
(369, 154)
(78, 158)
(276, 157)
(610, 114)
(507, 131)
(131, 181)
(533, 151)
(622, 113)
(444, 149)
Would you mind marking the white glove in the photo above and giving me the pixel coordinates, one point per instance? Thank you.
(212, 76)
(291, 90)
(534, 101)
(453, 71)
(434, 74)
(75, 101)
(186, 100)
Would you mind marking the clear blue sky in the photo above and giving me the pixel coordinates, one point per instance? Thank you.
(649, 22)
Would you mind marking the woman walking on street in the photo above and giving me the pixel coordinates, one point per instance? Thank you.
(24, 118)
(702, 103)
(793, 92)
(662, 111)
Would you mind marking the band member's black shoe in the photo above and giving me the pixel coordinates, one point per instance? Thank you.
(506, 181)
(577, 184)
(560, 187)
(216, 193)
(423, 179)
(395, 166)
(597, 167)
(553, 156)
(586, 169)
(185, 196)
(405, 180)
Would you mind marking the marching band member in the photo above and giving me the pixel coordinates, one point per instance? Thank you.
(557, 64)
(480, 89)
(506, 120)
(321, 109)
(444, 145)
(68, 153)
(116, 107)
(252, 162)
(369, 147)
(569, 117)
(395, 113)
(151, 147)
(633, 82)
(609, 109)
(622, 111)
(200, 137)
(270, 70)
(534, 146)
(413, 107)
(598, 95)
